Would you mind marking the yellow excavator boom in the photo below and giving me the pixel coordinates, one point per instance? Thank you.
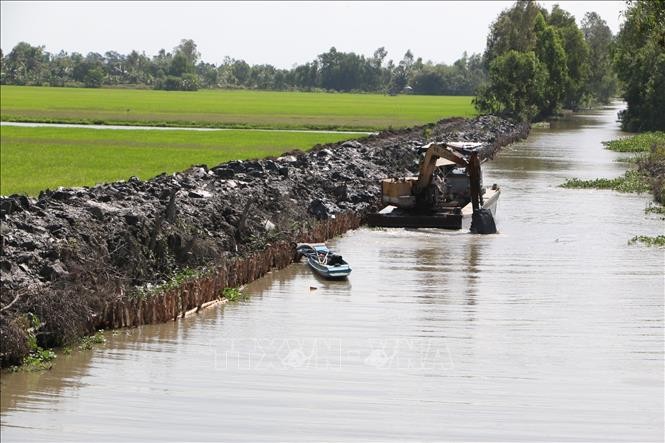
(428, 165)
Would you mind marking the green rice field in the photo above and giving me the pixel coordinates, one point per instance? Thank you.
(33, 159)
(226, 108)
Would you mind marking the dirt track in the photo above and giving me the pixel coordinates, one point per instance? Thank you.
(78, 258)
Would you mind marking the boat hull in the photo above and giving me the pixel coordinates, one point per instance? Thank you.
(393, 217)
(339, 270)
(330, 272)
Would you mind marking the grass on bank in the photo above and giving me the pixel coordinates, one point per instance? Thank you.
(227, 108)
(33, 159)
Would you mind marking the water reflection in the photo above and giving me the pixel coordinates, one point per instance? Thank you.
(474, 271)
(28, 390)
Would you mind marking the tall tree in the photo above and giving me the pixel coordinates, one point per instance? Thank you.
(428, 81)
(341, 71)
(208, 74)
(514, 29)
(601, 83)
(559, 48)
(180, 65)
(26, 65)
(60, 69)
(240, 70)
(114, 67)
(576, 54)
(551, 54)
(306, 76)
(516, 86)
(89, 71)
(189, 50)
(400, 75)
(374, 70)
(639, 60)
(161, 63)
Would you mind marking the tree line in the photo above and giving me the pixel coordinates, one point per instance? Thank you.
(639, 61)
(183, 69)
(539, 61)
(536, 63)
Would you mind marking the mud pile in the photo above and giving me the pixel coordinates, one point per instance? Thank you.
(82, 258)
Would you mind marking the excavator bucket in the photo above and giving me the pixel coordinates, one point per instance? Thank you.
(482, 222)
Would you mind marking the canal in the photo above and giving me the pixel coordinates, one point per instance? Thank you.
(550, 330)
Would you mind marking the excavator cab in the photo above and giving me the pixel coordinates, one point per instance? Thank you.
(457, 185)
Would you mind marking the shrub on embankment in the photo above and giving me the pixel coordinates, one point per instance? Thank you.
(78, 258)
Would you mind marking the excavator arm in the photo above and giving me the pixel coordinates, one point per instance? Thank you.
(441, 150)
(428, 165)
(473, 170)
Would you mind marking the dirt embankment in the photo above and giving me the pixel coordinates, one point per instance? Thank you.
(85, 258)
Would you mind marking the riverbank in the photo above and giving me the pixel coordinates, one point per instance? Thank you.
(137, 252)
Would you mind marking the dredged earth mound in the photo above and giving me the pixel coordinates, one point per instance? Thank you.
(66, 254)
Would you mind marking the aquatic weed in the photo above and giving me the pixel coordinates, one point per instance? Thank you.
(658, 240)
(654, 208)
(632, 181)
(39, 358)
(637, 143)
(233, 294)
(90, 341)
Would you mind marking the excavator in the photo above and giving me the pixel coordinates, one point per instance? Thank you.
(447, 190)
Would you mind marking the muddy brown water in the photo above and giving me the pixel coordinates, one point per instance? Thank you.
(550, 330)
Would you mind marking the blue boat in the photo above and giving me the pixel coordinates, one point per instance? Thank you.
(324, 261)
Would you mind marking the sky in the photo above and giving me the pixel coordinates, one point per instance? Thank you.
(278, 33)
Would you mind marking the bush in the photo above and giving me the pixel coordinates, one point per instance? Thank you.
(188, 82)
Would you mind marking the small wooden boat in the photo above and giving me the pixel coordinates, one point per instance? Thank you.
(324, 261)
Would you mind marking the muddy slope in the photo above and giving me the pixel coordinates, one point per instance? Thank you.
(70, 253)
